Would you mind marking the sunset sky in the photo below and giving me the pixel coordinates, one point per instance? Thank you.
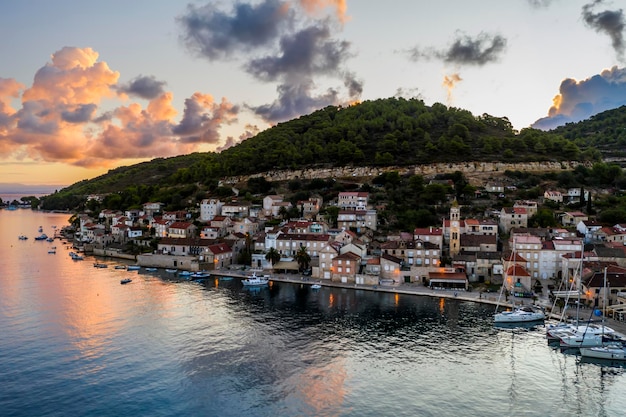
(89, 86)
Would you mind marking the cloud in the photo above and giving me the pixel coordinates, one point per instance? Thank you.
(610, 22)
(214, 34)
(313, 6)
(449, 82)
(202, 117)
(295, 100)
(146, 87)
(250, 131)
(80, 114)
(60, 118)
(307, 52)
(279, 42)
(464, 50)
(579, 100)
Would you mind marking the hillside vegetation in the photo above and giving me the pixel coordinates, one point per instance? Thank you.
(381, 133)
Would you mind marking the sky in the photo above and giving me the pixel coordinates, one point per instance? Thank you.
(88, 86)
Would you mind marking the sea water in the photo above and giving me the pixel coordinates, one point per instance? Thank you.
(75, 342)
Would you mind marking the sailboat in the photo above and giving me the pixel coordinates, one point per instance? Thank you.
(553, 330)
(614, 350)
(520, 314)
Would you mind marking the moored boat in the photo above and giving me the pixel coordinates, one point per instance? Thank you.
(523, 314)
(611, 352)
(99, 265)
(316, 286)
(133, 267)
(171, 271)
(125, 281)
(254, 280)
(150, 269)
(22, 237)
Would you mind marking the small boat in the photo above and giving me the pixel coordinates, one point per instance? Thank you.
(316, 286)
(171, 271)
(120, 266)
(226, 278)
(50, 239)
(22, 237)
(52, 251)
(99, 265)
(126, 281)
(256, 281)
(185, 273)
(76, 257)
(42, 236)
(616, 352)
(133, 267)
(152, 269)
(200, 274)
(521, 314)
(40, 229)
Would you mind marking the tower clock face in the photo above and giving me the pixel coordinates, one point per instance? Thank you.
(455, 224)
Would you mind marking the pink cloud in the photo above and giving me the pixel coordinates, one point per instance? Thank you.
(61, 118)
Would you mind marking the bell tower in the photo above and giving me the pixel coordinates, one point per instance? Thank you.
(455, 228)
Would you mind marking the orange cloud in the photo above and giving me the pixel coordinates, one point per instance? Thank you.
(61, 119)
(450, 81)
(313, 6)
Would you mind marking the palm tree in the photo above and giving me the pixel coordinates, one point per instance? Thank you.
(303, 258)
(272, 256)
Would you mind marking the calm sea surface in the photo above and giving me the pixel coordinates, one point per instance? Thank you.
(74, 342)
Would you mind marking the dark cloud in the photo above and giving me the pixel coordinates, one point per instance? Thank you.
(304, 55)
(33, 117)
(610, 22)
(202, 119)
(215, 34)
(354, 86)
(307, 52)
(80, 114)
(465, 50)
(146, 87)
(295, 100)
(579, 100)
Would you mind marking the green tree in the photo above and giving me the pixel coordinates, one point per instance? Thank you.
(303, 258)
(272, 256)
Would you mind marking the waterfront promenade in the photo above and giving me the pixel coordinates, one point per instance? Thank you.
(421, 290)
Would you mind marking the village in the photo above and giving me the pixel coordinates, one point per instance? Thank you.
(460, 254)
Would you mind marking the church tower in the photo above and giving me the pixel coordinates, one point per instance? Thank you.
(455, 228)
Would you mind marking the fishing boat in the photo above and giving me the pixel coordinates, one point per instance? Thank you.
(133, 267)
(99, 265)
(200, 274)
(125, 281)
(171, 271)
(150, 269)
(42, 236)
(120, 266)
(255, 281)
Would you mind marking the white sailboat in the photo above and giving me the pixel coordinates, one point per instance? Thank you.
(553, 331)
(520, 314)
(613, 350)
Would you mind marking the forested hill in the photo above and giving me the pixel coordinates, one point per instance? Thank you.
(383, 132)
(604, 131)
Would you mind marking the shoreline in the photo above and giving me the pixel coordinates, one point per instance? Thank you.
(420, 290)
